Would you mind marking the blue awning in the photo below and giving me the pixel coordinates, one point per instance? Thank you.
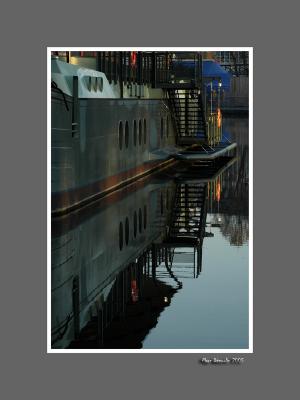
(212, 72)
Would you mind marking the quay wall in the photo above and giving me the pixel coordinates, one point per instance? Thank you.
(238, 96)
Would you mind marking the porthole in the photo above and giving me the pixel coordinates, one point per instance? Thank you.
(161, 127)
(145, 131)
(126, 134)
(135, 224)
(161, 203)
(140, 221)
(145, 217)
(134, 132)
(95, 84)
(121, 135)
(126, 231)
(89, 83)
(140, 132)
(121, 236)
(100, 83)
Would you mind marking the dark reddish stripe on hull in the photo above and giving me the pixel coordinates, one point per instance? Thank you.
(72, 199)
(71, 220)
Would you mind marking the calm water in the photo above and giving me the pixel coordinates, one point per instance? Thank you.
(162, 264)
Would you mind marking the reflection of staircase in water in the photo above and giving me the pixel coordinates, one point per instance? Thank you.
(182, 247)
(188, 217)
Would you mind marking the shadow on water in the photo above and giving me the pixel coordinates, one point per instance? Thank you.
(118, 265)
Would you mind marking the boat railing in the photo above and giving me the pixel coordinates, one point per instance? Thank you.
(214, 128)
(156, 69)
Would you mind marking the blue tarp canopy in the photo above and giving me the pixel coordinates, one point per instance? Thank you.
(212, 72)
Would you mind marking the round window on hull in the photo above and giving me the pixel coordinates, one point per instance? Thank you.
(121, 236)
(135, 224)
(145, 217)
(120, 135)
(126, 231)
(162, 128)
(140, 221)
(161, 203)
(126, 134)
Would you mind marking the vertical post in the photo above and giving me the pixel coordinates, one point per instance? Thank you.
(121, 73)
(200, 61)
(139, 71)
(154, 261)
(166, 257)
(98, 61)
(75, 107)
(115, 67)
(199, 258)
(211, 98)
(102, 62)
(153, 69)
(194, 261)
(75, 302)
(109, 67)
(104, 66)
(186, 109)
(100, 324)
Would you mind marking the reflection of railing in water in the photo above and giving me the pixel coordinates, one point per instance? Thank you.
(214, 128)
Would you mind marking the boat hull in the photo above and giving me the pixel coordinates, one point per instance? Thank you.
(114, 142)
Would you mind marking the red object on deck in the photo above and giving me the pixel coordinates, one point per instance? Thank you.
(133, 58)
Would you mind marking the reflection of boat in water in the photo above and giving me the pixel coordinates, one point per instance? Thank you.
(89, 253)
(125, 318)
(107, 261)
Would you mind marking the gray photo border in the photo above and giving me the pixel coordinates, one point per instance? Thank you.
(232, 351)
(28, 29)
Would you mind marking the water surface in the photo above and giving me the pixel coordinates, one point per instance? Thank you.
(163, 264)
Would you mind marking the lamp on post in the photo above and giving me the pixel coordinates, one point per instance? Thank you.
(219, 93)
(211, 94)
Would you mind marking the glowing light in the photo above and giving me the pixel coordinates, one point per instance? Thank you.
(134, 291)
(218, 194)
(219, 118)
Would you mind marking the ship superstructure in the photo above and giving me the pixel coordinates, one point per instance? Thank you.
(126, 115)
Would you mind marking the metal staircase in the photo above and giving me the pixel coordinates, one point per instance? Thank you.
(188, 115)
